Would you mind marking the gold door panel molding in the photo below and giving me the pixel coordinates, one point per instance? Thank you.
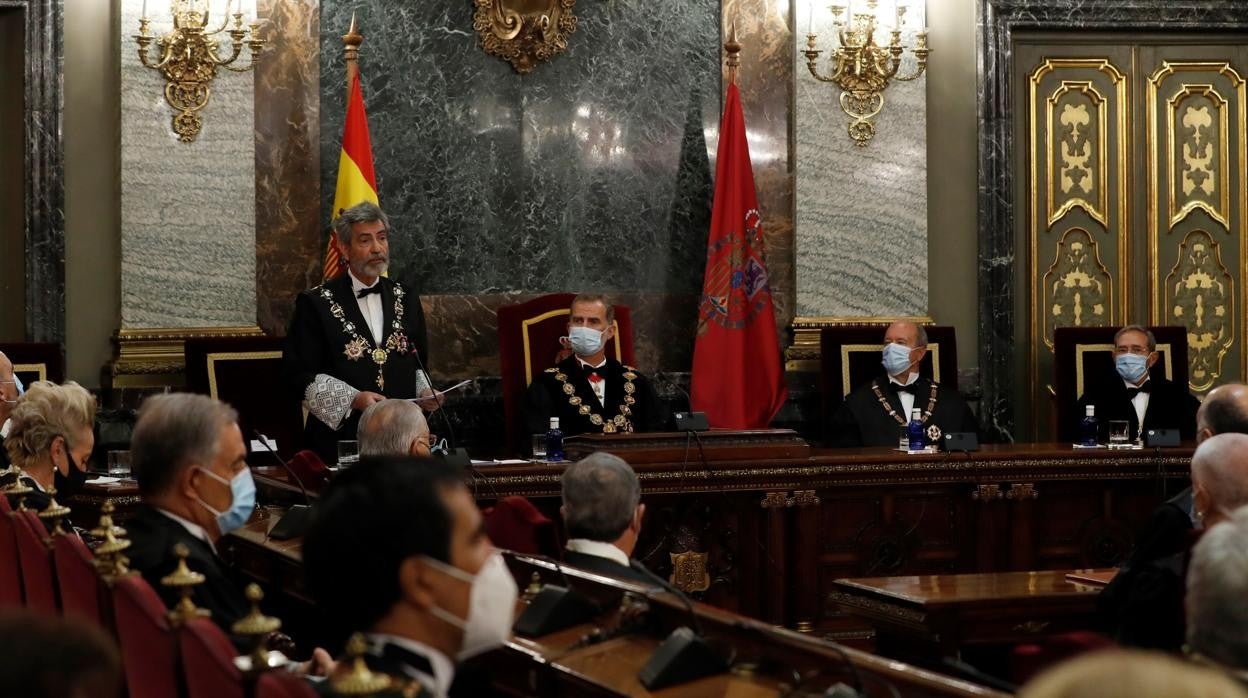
(1200, 295)
(1078, 289)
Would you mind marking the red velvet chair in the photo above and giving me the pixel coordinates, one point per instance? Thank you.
(310, 469)
(515, 524)
(280, 684)
(208, 662)
(148, 643)
(76, 579)
(10, 561)
(37, 576)
(528, 343)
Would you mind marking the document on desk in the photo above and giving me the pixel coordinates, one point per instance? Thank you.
(505, 461)
(440, 393)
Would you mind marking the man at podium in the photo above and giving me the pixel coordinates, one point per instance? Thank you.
(590, 392)
(355, 339)
(876, 413)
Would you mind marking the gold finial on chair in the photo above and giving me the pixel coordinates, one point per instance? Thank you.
(357, 679)
(109, 562)
(184, 580)
(106, 524)
(534, 588)
(54, 514)
(17, 487)
(256, 624)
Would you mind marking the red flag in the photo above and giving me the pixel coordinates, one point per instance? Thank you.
(738, 378)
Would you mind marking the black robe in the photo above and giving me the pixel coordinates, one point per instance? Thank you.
(1170, 406)
(317, 343)
(400, 664)
(862, 421)
(547, 398)
(152, 537)
(604, 566)
(36, 500)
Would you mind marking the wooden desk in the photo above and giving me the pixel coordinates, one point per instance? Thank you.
(916, 615)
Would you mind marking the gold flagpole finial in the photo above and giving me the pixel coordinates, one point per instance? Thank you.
(733, 47)
(351, 51)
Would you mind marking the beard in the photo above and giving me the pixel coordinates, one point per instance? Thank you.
(372, 267)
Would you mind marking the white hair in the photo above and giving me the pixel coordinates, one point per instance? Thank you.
(1217, 585)
(389, 427)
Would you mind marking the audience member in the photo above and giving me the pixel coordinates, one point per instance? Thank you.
(602, 510)
(394, 428)
(8, 398)
(1130, 674)
(50, 439)
(50, 657)
(1217, 586)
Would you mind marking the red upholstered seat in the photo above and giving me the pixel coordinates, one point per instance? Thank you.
(310, 469)
(515, 524)
(38, 579)
(208, 662)
(1029, 659)
(148, 643)
(280, 684)
(10, 562)
(528, 343)
(76, 579)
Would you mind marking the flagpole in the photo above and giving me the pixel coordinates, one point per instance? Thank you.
(351, 52)
(733, 48)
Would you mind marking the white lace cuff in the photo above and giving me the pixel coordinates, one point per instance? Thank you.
(423, 383)
(329, 399)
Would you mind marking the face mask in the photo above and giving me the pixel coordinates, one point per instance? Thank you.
(1131, 367)
(243, 491)
(71, 483)
(491, 605)
(896, 358)
(585, 341)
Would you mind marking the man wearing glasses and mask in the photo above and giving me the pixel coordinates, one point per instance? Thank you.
(397, 551)
(876, 413)
(1132, 395)
(588, 391)
(9, 390)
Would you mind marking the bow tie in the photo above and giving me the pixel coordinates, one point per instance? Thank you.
(364, 292)
(1146, 388)
(594, 377)
(912, 388)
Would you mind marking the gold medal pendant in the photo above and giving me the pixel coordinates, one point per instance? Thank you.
(379, 356)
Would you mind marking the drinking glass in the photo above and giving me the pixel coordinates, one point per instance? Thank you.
(539, 447)
(119, 463)
(1119, 432)
(903, 438)
(348, 453)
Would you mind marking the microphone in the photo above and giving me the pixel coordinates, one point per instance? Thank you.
(295, 521)
(555, 608)
(685, 655)
(686, 421)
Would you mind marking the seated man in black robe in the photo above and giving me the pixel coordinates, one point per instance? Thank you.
(876, 413)
(603, 511)
(589, 392)
(188, 456)
(1132, 395)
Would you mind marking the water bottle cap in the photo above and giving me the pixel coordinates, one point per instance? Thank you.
(554, 422)
(1090, 411)
(915, 413)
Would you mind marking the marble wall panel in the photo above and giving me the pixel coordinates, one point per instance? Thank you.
(1000, 271)
(188, 252)
(861, 211)
(288, 160)
(592, 172)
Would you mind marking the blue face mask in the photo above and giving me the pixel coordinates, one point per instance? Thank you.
(1132, 367)
(896, 358)
(243, 502)
(585, 341)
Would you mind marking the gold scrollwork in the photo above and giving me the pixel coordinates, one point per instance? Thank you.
(1020, 491)
(1078, 289)
(524, 32)
(774, 500)
(987, 493)
(1200, 295)
(1197, 135)
(803, 498)
(689, 572)
(1077, 115)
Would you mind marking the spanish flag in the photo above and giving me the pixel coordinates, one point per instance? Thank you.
(356, 180)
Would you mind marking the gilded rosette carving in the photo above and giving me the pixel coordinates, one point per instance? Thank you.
(1200, 296)
(524, 32)
(1078, 289)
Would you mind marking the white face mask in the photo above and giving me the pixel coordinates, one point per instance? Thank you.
(491, 605)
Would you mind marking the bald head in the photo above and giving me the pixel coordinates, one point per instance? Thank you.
(1220, 476)
(393, 428)
(1224, 411)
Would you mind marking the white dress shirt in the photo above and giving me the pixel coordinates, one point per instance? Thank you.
(599, 387)
(191, 527)
(907, 399)
(370, 308)
(598, 549)
(1139, 402)
(4, 430)
(443, 668)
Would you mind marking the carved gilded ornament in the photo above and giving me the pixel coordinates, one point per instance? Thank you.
(1197, 135)
(1200, 295)
(689, 572)
(524, 32)
(1078, 289)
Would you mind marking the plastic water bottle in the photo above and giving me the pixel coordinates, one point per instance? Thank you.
(554, 441)
(918, 437)
(1088, 432)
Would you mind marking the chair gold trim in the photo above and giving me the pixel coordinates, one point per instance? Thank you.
(214, 357)
(524, 337)
(847, 385)
(40, 368)
(1081, 349)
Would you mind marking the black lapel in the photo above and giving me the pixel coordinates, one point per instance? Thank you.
(579, 378)
(387, 308)
(350, 306)
(886, 387)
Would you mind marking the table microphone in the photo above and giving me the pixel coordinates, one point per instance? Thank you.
(685, 655)
(295, 521)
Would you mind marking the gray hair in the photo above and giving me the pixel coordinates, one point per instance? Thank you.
(363, 212)
(600, 497)
(1217, 583)
(594, 298)
(920, 334)
(1152, 340)
(172, 432)
(389, 427)
(1220, 466)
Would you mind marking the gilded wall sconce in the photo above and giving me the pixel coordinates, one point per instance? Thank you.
(524, 32)
(190, 56)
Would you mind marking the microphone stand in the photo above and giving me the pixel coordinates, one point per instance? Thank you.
(295, 521)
